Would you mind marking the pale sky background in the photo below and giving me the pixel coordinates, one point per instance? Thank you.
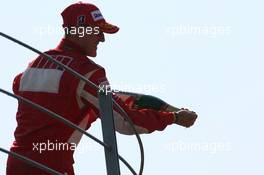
(217, 73)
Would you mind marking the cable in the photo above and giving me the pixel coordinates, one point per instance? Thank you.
(54, 115)
(65, 121)
(127, 164)
(137, 135)
(31, 162)
(125, 115)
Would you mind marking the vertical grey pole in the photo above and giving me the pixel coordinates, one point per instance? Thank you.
(109, 137)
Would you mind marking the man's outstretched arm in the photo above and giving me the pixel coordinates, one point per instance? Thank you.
(145, 120)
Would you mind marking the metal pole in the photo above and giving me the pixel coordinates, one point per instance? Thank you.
(109, 137)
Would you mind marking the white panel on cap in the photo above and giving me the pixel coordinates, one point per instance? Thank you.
(97, 15)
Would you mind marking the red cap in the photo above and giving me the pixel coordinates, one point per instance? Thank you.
(85, 14)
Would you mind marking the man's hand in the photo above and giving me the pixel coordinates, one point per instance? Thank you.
(185, 118)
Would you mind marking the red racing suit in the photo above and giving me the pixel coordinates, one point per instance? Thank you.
(45, 83)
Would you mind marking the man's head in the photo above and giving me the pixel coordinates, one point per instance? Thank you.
(85, 26)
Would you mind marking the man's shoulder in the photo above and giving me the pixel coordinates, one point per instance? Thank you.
(78, 61)
(56, 53)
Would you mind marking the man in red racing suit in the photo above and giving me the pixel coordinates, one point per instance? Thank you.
(49, 141)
